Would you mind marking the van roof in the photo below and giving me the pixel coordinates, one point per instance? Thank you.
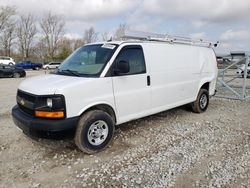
(119, 42)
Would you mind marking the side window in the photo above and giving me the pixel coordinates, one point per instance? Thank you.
(135, 58)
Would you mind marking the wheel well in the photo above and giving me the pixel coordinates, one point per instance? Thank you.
(205, 86)
(105, 108)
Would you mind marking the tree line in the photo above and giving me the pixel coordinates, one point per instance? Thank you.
(24, 37)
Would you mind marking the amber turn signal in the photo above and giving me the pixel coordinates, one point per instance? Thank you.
(44, 114)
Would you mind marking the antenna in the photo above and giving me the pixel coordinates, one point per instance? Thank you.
(146, 36)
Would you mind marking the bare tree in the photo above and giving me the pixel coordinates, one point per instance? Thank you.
(5, 14)
(7, 37)
(39, 50)
(52, 29)
(6, 28)
(120, 31)
(66, 46)
(78, 43)
(90, 35)
(26, 31)
(105, 36)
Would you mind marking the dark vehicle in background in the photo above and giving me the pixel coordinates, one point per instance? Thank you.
(29, 65)
(9, 71)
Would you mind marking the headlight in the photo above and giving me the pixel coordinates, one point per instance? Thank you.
(49, 102)
(50, 106)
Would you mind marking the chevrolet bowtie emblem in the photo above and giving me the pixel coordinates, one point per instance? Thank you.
(22, 102)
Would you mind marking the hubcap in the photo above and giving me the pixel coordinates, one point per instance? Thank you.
(98, 132)
(203, 101)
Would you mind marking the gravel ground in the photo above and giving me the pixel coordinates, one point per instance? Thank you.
(176, 148)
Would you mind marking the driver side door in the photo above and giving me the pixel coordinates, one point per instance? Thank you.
(131, 90)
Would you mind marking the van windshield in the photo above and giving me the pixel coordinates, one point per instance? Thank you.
(88, 60)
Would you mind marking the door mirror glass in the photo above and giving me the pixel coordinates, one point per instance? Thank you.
(122, 67)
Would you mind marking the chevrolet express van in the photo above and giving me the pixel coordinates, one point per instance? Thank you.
(101, 85)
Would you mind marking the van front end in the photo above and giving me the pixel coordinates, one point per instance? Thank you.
(41, 113)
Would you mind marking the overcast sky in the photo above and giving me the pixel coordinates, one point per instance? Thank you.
(225, 20)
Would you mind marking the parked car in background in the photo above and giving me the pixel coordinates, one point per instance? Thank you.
(241, 74)
(241, 69)
(29, 65)
(6, 60)
(52, 65)
(11, 71)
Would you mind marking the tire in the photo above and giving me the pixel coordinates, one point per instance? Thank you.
(11, 64)
(87, 137)
(16, 75)
(36, 68)
(202, 101)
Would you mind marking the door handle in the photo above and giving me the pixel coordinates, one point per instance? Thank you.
(148, 80)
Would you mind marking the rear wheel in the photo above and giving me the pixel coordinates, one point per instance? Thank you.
(94, 131)
(202, 101)
(16, 75)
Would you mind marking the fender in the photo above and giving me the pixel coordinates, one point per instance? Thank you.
(96, 104)
(212, 83)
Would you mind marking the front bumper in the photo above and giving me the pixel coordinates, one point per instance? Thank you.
(28, 123)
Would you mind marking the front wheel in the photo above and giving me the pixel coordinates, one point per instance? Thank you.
(16, 75)
(202, 101)
(94, 132)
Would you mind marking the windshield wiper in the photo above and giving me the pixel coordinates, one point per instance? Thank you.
(72, 72)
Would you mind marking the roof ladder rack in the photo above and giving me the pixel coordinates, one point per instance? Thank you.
(145, 36)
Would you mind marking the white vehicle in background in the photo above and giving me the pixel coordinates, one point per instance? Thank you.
(7, 60)
(241, 69)
(105, 84)
(51, 65)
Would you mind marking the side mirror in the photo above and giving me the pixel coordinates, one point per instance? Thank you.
(121, 67)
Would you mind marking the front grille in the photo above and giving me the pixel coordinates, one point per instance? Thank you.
(26, 102)
(26, 110)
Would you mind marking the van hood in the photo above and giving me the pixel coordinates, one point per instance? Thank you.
(50, 84)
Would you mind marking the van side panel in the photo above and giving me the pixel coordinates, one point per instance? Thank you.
(209, 68)
(175, 74)
(94, 91)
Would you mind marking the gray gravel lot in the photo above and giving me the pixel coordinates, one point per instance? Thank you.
(176, 148)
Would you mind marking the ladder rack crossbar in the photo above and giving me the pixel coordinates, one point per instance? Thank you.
(145, 36)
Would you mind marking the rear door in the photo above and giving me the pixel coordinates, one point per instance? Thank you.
(132, 90)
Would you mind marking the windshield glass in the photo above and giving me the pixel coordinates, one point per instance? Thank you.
(88, 60)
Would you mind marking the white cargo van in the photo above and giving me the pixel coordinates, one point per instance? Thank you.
(105, 84)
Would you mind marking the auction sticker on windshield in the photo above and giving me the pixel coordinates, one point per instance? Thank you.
(109, 46)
